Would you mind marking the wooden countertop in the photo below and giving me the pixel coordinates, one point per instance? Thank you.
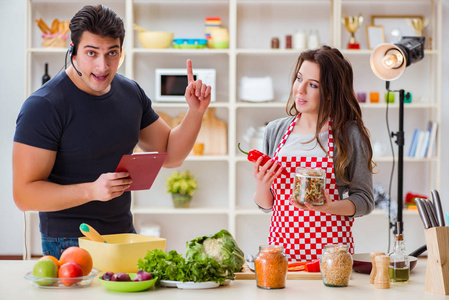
(14, 286)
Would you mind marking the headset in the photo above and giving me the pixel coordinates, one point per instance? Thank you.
(70, 50)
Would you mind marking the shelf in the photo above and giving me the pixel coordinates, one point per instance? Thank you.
(251, 25)
(179, 211)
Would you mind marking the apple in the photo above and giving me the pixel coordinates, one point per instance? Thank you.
(45, 268)
(70, 270)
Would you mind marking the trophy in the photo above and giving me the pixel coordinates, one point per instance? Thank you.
(418, 25)
(352, 24)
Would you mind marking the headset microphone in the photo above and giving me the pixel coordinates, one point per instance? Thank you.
(71, 60)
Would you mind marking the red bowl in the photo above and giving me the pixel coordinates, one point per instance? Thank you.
(362, 262)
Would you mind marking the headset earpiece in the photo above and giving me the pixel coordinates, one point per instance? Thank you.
(71, 59)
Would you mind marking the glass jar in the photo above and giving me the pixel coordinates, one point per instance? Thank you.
(309, 186)
(271, 267)
(336, 265)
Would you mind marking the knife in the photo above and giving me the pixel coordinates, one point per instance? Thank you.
(438, 207)
(431, 213)
(423, 212)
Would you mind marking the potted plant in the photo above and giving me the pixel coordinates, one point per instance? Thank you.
(181, 186)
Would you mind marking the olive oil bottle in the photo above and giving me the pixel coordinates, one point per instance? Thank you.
(399, 269)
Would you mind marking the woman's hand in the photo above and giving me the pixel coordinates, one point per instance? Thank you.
(266, 174)
(325, 208)
(343, 207)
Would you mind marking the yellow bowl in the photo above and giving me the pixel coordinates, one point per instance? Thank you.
(155, 39)
(121, 252)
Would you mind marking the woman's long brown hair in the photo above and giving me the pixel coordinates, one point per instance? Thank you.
(337, 99)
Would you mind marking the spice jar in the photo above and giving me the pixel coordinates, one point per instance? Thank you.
(271, 267)
(309, 186)
(336, 265)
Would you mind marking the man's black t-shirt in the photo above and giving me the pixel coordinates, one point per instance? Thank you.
(90, 134)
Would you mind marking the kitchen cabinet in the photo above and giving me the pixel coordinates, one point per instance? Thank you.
(226, 186)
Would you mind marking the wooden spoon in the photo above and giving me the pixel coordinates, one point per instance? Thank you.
(91, 233)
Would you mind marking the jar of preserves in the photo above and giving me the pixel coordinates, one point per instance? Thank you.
(271, 267)
(309, 186)
(336, 265)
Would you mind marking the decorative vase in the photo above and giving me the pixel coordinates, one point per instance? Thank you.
(181, 200)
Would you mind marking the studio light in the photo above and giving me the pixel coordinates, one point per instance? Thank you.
(388, 62)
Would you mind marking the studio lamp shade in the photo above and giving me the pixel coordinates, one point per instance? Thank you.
(388, 61)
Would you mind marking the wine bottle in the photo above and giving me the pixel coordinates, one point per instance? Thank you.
(46, 77)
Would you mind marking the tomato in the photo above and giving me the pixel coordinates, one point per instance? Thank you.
(70, 270)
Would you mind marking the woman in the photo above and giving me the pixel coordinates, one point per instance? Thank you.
(324, 130)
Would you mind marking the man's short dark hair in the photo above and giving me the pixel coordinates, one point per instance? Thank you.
(99, 20)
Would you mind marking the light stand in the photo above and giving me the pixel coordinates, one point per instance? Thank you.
(388, 62)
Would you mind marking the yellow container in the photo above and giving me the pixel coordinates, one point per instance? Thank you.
(121, 252)
(155, 39)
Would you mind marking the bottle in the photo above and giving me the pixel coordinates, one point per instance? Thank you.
(399, 268)
(46, 77)
(271, 267)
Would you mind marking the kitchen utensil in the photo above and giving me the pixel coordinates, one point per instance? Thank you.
(422, 210)
(128, 286)
(437, 271)
(373, 256)
(91, 233)
(121, 252)
(250, 261)
(362, 262)
(438, 207)
(382, 280)
(431, 213)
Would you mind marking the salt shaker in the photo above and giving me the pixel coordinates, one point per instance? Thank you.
(382, 280)
(373, 256)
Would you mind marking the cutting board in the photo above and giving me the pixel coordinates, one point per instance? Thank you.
(213, 133)
(247, 274)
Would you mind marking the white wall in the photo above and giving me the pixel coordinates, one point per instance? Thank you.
(12, 53)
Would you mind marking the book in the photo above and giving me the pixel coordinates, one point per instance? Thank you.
(433, 127)
(412, 150)
(142, 167)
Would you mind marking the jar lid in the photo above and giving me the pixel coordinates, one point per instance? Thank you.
(308, 172)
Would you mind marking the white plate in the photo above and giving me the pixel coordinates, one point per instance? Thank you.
(197, 285)
(169, 283)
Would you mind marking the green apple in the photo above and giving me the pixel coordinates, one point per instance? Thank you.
(45, 268)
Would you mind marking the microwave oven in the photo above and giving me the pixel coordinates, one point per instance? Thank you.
(171, 83)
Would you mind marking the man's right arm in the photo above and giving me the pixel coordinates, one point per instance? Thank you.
(32, 191)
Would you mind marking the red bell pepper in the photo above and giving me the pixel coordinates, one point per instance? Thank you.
(313, 266)
(254, 155)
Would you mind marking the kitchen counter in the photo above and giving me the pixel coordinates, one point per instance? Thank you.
(14, 286)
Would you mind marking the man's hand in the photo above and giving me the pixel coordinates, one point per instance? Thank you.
(197, 93)
(110, 185)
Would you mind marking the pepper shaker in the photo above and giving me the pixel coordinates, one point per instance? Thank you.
(382, 280)
(373, 255)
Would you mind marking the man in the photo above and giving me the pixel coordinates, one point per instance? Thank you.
(72, 132)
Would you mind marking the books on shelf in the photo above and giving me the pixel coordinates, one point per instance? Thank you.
(423, 142)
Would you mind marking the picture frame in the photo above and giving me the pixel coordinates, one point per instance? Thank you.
(375, 36)
(395, 26)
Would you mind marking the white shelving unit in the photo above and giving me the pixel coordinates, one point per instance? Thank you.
(225, 197)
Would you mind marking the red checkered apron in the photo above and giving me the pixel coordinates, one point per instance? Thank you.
(304, 233)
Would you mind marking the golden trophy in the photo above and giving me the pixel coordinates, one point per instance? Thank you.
(352, 24)
(418, 25)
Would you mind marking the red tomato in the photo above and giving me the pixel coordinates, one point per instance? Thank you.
(70, 270)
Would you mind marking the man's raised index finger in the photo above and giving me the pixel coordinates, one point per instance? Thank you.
(189, 71)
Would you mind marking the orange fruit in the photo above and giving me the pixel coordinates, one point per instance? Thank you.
(79, 256)
(51, 257)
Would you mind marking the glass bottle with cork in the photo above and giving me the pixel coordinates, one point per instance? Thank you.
(399, 269)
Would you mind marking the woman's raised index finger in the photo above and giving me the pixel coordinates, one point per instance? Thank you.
(189, 71)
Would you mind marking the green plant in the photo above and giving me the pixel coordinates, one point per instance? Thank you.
(181, 183)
